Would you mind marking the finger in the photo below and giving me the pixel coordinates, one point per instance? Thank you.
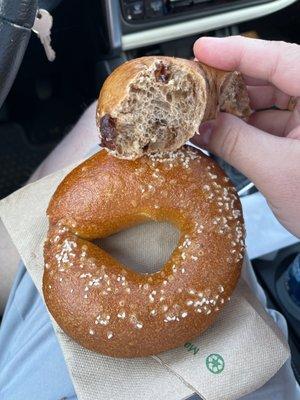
(250, 81)
(263, 97)
(294, 120)
(295, 133)
(276, 62)
(271, 121)
(258, 155)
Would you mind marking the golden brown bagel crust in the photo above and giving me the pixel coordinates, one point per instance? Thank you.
(105, 306)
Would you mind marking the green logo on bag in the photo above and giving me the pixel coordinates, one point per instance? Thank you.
(215, 363)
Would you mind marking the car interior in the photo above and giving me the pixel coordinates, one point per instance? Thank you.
(43, 99)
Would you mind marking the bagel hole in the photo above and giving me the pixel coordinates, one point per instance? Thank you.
(144, 248)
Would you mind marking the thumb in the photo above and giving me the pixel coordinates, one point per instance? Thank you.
(262, 157)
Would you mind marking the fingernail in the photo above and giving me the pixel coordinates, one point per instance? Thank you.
(207, 40)
(205, 132)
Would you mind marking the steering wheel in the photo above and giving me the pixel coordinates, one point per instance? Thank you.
(16, 20)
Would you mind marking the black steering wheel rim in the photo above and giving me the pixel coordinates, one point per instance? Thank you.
(16, 20)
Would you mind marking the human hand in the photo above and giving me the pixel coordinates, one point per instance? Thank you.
(267, 148)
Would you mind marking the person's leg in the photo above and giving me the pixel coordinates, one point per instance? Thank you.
(9, 259)
(31, 362)
(72, 148)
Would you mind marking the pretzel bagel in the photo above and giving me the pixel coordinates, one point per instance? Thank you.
(106, 306)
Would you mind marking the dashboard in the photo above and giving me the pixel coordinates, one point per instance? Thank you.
(148, 22)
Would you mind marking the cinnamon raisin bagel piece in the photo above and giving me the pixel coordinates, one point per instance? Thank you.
(157, 103)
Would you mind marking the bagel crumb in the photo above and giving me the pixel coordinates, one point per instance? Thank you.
(91, 332)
